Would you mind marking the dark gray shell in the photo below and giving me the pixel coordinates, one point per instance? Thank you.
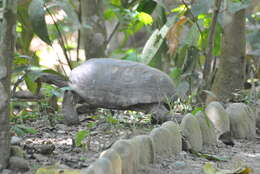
(118, 84)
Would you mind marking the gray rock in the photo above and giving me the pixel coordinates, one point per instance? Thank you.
(45, 149)
(100, 166)
(17, 151)
(257, 112)
(190, 129)
(127, 153)
(179, 165)
(62, 127)
(242, 121)
(115, 160)
(120, 84)
(18, 164)
(162, 142)
(175, 136)
(219, 117)
(207, 128)
(145, 149)
(16, 140)
(6, 171)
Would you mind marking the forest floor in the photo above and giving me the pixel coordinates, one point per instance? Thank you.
(55, 145)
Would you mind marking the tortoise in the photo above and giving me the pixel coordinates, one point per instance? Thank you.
(123, 85)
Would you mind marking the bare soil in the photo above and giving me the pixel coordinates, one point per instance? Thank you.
(104, 132)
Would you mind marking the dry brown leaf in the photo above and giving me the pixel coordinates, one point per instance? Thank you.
(174, 34)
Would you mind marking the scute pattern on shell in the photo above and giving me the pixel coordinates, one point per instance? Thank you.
(117, 84)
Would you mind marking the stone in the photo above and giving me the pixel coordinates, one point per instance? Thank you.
(207, 128)
(175, 136)
(190, 129)
(162, 141)
(145, 149)
(115, 160)
(16, 140)
(127, 153)
(45, 149)
(6, 171)
(178, 165)
(257, 112)
(100, 166)
(18, 164)
(242, 121)
(17, 151)
(219, 117)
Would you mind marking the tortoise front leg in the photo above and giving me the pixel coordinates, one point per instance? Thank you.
(69, 108)
(159, 113)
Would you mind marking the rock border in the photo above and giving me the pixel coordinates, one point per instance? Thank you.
(126, 156)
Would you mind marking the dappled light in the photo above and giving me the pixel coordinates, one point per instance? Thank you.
(129, 87)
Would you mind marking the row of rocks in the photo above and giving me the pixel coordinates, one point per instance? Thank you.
(127, 156)
(238, 119)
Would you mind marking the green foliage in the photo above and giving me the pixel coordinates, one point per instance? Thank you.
(146, 6)
(111, 120)
(80, 136)
(21, 130)
(196, 110)
(155, 42)
(130, 20)
(36, 13)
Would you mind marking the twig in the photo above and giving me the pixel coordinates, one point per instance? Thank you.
(193, 17)
(112, 33)
(20, 80)
(211, 38)
(79, 33)
(61, 41)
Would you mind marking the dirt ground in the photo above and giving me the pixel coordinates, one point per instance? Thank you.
(56, 146)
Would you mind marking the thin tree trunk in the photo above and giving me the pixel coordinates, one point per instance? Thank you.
(211, 38)
(230, 74)
(93, 30)
(7, 45)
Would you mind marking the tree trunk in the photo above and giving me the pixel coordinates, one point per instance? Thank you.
(7, 45)
(230, 74)
(93, 30)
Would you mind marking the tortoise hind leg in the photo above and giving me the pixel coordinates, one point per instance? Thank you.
(160, 114)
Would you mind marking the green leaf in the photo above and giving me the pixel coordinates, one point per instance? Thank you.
(109, 14)
(175, 73)
(145, 18)
(22, 130)
(217, 41)
(80, 136)
(30, 83)
(155, 42)
(146, 6)
(111, 120)
(181, 8)
(116, 2)
(196, 110)
(36, 13)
